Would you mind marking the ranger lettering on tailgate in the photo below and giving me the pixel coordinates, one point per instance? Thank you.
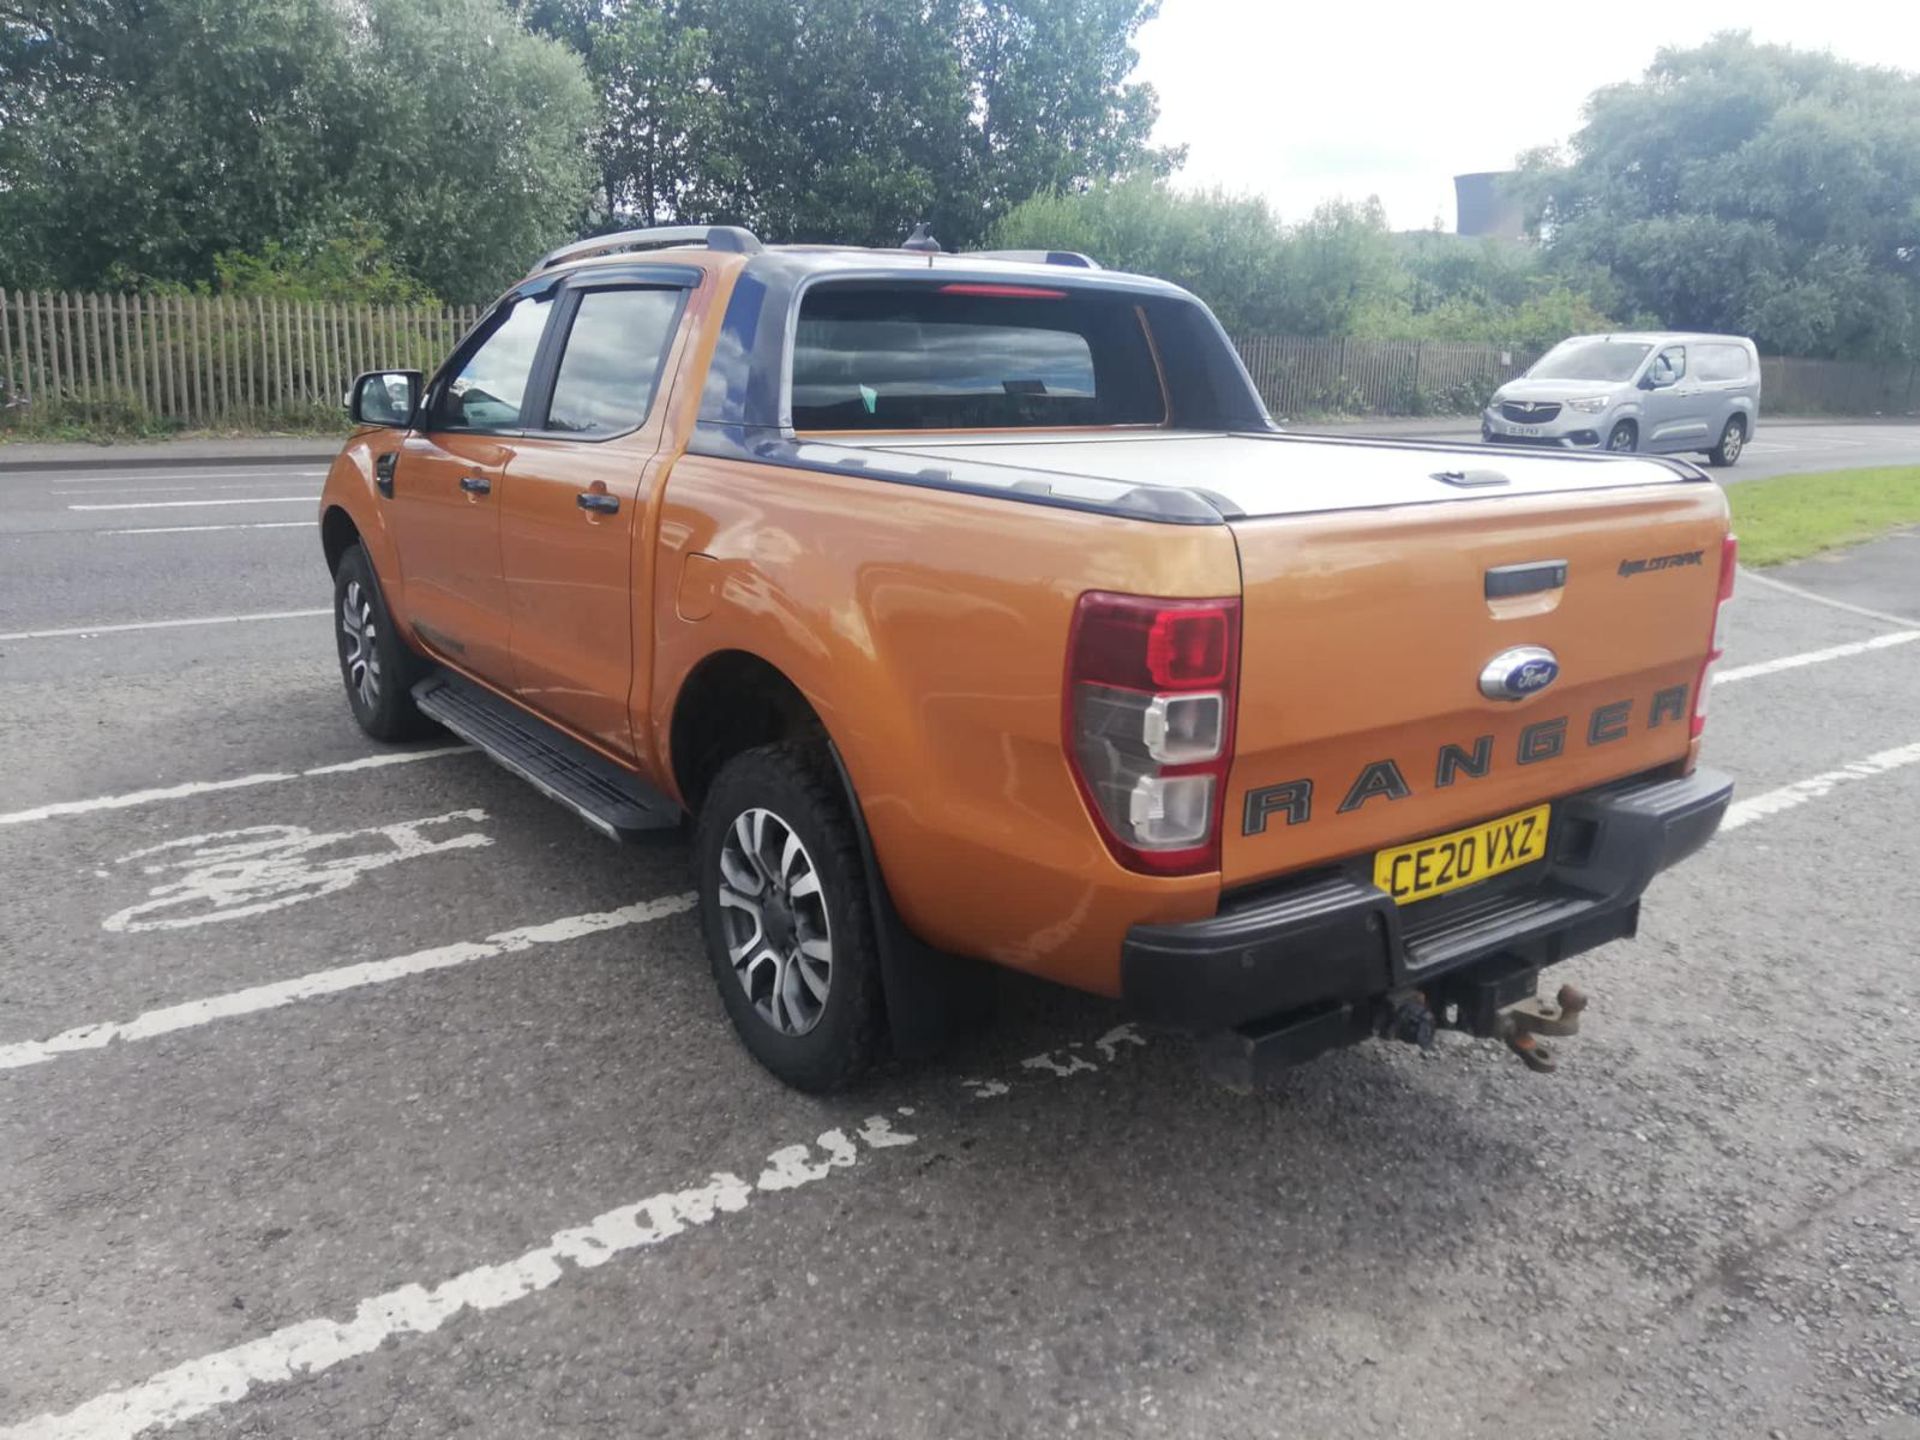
(1292, 800)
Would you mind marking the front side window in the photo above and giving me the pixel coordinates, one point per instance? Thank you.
(488, 392)
(888, 356)
(616, 349)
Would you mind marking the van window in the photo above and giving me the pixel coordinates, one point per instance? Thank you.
(487, 392)
(971, 356)
(1609, 360)
(611, 367)
(1669, 365)
(1719, 362)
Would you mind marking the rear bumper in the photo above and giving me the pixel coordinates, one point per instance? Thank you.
(1336, 938)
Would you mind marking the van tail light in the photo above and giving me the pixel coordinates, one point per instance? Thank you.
(1149, 710)
(1717, 644)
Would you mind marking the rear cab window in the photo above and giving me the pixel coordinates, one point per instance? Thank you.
(964, 356)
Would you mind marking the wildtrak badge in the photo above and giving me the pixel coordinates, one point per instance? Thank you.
(1661, 562)
(1292, 800)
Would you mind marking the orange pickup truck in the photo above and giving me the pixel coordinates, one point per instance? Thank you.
(976, 610)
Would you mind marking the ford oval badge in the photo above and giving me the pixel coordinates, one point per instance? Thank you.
(1516, 674)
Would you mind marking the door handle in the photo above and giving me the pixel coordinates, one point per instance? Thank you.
(475, 484)
(598, 501)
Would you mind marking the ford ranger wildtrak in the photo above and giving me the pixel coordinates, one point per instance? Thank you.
(976, 611)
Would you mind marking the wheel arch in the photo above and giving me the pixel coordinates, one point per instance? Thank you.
(730, 701)
(738, 700)
(338, 533)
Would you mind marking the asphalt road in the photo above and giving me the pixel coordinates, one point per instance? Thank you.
(1783, 448)
(343, 1099)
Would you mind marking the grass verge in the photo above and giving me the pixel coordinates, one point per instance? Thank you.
(1789, 517)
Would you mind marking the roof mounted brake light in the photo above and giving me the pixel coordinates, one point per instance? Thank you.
(1003, 292)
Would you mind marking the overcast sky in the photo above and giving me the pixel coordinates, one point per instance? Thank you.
(1305, 102)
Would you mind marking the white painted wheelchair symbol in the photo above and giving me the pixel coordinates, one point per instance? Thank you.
(232, 874)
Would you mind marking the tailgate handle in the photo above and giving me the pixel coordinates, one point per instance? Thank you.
(1470, 479)
(1527, 579)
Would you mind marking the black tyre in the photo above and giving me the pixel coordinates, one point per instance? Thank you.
(378, 670)
(787, 917)
(1624, 438)
(1733, 440)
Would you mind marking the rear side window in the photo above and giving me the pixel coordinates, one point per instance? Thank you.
(971, 356)
(610, 368)
(1719, 362)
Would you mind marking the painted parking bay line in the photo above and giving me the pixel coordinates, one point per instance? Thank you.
(192, 1014)
(308, 1347)
(1817, 657)
(1815, 787)
(78, 630)
(192, 788)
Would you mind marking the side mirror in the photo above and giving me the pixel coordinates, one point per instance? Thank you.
(385, 397)
(1650, 381)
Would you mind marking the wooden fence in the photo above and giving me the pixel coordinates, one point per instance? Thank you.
(206, 360)
(214, 360)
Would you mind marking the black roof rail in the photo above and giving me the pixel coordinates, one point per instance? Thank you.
(1071, 258)
(730, 238)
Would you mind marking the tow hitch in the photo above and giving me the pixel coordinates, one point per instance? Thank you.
(1522, 1023)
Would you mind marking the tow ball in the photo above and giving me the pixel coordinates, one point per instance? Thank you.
(1522, 1024)
(1518, 1024)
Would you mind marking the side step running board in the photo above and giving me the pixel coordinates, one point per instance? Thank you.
(617, 804)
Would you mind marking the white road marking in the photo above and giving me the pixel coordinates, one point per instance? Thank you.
(1816, 657)
(1791, 797)
(232, 874)
(200, 529)
(207, 787)
(163, 624)
(309, 1347)
(120, 477)
(255, 486)
(305, 1348)
(255, 998)
(1906, 622)
(200, 504)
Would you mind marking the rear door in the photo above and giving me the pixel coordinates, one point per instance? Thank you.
(578, 489)
(448, 486)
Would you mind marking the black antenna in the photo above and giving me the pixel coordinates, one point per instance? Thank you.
(921, 241)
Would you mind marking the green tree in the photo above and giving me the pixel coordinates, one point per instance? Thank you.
(139, 142)
(849, 120)
(1750, 188)
(472, 153)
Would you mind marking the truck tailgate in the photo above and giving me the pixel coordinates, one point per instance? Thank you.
(1362, 722)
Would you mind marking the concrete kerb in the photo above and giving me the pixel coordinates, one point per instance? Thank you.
(200, 455)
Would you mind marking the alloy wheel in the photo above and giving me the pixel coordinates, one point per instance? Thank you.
(359, 631)
(774, 913)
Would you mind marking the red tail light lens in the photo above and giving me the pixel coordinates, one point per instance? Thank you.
(1717, 640)
(1149, 710)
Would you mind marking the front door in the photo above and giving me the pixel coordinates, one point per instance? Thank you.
(448, 487)
(1673, 409)
(579, 486)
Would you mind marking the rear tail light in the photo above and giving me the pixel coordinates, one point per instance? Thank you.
(1149, 713)
(1717, 645)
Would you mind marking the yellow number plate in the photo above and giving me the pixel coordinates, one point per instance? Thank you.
(1465, 857)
